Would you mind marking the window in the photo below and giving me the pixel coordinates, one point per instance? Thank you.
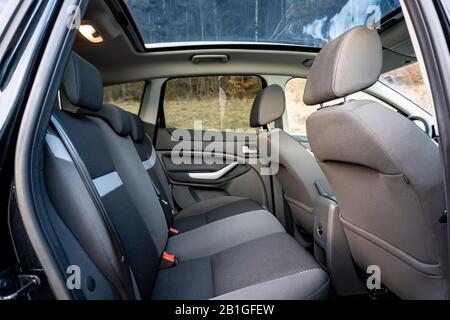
(127, 96)
(310, 23)
(298, 112)
(408, 81)
(216, 103)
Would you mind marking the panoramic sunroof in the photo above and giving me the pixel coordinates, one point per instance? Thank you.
(307, 23)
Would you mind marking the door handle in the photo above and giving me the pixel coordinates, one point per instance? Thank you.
(213, 175)
(247, 150)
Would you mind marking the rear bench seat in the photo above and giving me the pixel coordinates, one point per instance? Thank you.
(244, 255)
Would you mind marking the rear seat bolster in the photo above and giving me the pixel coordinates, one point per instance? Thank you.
(223, 234)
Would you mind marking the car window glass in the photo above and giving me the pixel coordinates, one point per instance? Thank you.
(217, 103)
(127, 96)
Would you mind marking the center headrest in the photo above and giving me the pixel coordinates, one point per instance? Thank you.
(348, 64)
(82, 84)
(269, 106)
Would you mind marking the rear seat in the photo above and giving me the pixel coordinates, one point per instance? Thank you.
(240, 256)
(196, 215)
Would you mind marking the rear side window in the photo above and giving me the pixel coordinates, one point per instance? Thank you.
(127, 96)
(217, 103)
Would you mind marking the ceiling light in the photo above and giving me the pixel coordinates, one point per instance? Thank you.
(89, 32)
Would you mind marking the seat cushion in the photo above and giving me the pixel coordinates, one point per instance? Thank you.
(272, 267)
(223, 234)
(211, 210)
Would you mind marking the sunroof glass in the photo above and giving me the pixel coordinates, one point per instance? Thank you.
(309, 23)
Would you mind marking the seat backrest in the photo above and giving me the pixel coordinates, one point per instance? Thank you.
(101, 137)
(298, 170)
(385, 171)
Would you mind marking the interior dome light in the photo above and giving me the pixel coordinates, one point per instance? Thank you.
(89, 32)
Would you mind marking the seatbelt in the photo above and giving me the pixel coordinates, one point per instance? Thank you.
(169, 212)
(167, 209)
(90, 187)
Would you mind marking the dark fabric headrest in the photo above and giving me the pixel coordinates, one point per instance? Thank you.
(82, 84)
(117, 118)
(137, 128)
(268, 107)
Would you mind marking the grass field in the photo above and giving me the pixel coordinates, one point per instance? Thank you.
(233, 115)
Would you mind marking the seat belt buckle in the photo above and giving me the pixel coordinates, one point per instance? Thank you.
(174, 232)
(167, 261)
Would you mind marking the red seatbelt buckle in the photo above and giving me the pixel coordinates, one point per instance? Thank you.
(167, 261)
(174, 232)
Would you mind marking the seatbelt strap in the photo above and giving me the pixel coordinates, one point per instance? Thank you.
(90, 187)
(167, 209)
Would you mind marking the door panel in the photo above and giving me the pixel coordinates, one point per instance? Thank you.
(243, 180)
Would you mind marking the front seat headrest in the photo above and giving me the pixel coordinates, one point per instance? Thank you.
(269, 106)
(348, 64)
(82, 84)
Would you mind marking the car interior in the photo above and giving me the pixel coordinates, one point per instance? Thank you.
(138, 200)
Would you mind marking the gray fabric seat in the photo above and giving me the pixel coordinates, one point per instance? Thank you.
(298, 170)
(224, 259)
(273, 267)
(386, 172)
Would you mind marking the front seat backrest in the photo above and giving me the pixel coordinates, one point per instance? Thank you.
(385, 171)
(298, 170)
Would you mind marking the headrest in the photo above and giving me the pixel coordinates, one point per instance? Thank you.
(268, 106)
(83, 84)
(348, 64)
(137, 128)
(117, 118)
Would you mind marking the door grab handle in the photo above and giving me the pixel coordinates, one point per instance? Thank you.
(214, 175)
(247, 150)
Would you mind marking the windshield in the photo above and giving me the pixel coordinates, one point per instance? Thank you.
(308, 23)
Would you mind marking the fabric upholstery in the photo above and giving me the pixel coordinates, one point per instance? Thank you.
(348, 64)
(137, 128)
(386, 174)
(245, 271)
(269, 106)
(208, 211)
(83, 84)
(115, 117)
(223, 234)
(298, 171)
(223, 257)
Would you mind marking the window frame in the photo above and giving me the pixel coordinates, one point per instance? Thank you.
(161, 119)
